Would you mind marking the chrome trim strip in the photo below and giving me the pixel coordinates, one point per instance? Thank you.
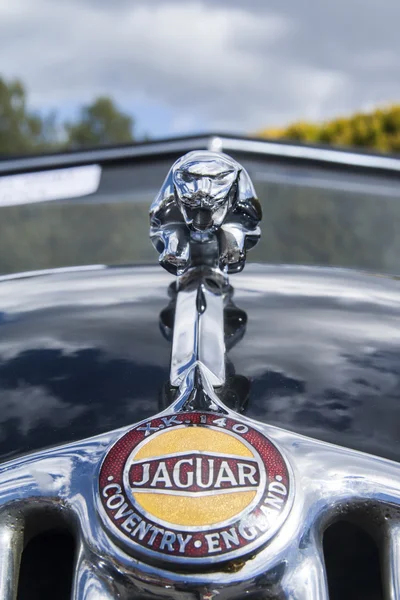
(391, 562)
(213, 142)
(11, 546)
(87, 584)
(283, 150)
(98, 155)
(307, 581)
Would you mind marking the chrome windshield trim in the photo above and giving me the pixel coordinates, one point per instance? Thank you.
(275, 149)
(97, 155)
(287, 150)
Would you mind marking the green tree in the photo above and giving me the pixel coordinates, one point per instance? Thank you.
(100, 124)
(376, 130)
(22, 131)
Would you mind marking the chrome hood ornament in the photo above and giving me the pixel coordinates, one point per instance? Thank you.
(197, 484)
(207, 203)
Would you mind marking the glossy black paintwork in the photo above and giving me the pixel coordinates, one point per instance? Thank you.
(82, 353)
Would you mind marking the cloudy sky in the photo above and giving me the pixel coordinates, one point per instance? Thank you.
(182, 66)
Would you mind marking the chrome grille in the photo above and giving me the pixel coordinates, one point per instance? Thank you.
(331, 483)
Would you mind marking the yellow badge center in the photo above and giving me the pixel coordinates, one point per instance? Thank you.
(187, 510)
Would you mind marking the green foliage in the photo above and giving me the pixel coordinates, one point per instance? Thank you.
(23, 131)
(100, 124)
(376, 130)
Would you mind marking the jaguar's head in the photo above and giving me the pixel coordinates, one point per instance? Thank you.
(206, 186)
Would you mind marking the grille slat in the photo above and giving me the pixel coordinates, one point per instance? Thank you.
(307, 581)
(87, 585)
(11, 547)
(391, 562)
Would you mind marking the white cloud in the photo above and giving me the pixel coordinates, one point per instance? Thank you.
(222, 65)
(30, 405)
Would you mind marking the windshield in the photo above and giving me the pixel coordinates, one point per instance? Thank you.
(313, 214)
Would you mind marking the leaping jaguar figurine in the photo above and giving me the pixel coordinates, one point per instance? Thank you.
(207, 198)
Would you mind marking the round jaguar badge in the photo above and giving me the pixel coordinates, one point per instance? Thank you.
(194, 488)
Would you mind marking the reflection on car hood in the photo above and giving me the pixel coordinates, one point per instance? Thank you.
(81, 353)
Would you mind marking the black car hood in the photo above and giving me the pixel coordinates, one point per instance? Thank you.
(81, 352)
